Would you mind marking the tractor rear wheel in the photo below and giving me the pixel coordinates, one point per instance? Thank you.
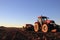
(36, 27)
(44, 28)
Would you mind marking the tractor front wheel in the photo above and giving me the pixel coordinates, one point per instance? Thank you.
(44, 28)
(36, 27)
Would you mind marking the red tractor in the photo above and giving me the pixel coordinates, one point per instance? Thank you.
(43, 24)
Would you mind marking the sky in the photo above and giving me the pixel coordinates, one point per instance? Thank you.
(15, 13)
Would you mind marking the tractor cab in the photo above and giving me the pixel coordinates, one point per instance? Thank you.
(42, 19)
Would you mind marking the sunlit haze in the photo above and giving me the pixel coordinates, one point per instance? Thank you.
(16, 13)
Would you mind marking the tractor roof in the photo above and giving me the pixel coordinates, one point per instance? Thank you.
(42, 17)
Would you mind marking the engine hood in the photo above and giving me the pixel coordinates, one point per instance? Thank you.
(50, 21)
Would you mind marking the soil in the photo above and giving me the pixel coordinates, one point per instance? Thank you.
(18, 34)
